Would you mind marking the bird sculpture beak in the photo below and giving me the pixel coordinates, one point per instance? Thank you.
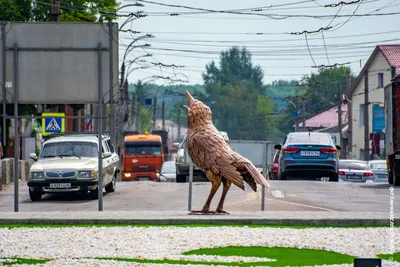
(190, 98)
(186, 107)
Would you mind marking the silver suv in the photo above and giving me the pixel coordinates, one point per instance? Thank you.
(70, 164)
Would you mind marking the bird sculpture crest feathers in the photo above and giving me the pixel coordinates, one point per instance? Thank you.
(211, 153)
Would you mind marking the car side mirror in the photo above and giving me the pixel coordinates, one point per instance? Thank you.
(279, 147)
(33, 156)
(175, 145)
(338, 147)
(106, 155)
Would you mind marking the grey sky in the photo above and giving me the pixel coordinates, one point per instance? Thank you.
(281, 55)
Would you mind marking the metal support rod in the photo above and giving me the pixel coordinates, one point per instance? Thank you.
(3, 52)
(350, 118)
(190, 185)
(112, 113)
(16, 132)
(100, 129)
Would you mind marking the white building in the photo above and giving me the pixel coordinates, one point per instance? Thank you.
(377, 72)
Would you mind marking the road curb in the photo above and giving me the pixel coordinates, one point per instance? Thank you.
(288, 222)
(319, 218)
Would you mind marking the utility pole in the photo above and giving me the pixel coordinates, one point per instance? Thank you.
(350, 118)
(154, 112)
(133, 111)
(138, 122)
(55, 10)
(340, 119)
(366, 117)
(179, 124)
(163, 114)
(304, 116)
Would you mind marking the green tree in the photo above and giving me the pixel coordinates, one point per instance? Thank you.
(321, 89)
(240, 106)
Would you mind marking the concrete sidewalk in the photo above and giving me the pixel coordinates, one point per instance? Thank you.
(306, 218)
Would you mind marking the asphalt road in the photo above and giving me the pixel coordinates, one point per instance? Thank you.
(153, 196)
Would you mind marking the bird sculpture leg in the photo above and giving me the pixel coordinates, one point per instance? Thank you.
(215, 183)
(227, 184)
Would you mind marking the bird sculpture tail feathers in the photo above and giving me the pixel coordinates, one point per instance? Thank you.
(257, 176)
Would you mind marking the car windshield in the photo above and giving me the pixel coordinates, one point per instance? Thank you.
(168, 168)
(309, 139)
(142, 148)
(353, 165)
(69, 149)
(378, 165)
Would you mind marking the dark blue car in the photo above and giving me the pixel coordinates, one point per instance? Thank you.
(308, 155)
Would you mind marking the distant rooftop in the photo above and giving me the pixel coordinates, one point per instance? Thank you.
(327, 119)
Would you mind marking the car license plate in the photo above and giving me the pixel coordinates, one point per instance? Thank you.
(143, 178)
(354, 177)
(310, 153)
(60, 186)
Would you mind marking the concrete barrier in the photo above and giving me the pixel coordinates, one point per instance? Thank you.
(7, 171)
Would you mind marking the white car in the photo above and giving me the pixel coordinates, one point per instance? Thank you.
(355, 171)
(70, 164)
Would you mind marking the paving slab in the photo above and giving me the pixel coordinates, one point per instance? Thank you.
(305, 218)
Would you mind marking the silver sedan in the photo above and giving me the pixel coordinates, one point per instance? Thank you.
(355, 171)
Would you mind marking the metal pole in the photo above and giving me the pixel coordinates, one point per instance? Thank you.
(4, 128)
(366, 117)
(190, 186)
(100, 129)
(112, 113)
(16, 133)
(340, 121)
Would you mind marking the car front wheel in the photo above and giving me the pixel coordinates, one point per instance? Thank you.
(111, 187)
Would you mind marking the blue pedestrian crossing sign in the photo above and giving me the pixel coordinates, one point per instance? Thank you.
(53, 123)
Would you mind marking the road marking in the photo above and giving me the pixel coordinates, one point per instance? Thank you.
(301, 205)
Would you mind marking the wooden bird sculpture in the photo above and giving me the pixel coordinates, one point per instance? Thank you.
(212, 154)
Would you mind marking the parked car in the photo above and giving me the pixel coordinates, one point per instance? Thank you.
(168, 172)
(70, 164)
(379, 169)
(308, 155)
(274, 172)
(355, 171)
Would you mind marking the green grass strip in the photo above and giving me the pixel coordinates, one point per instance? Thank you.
(284, 256)
(13, 261)
(10, 226)
(394, 256)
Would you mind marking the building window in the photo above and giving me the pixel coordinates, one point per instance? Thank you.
(361, 117)
(380, 80)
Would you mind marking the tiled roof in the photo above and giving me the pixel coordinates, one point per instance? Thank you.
(392, 55)
(326, 119)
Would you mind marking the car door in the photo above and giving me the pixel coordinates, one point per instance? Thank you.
(115, 161)
(107, 169)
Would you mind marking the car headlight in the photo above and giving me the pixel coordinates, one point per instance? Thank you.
(86, 174)
(37, 175)
(158, 174)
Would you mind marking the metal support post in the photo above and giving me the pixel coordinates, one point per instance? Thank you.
(265, 172)
(112, 112)
(100, 129)
(190, 186)
(3, 52)
(16, 133)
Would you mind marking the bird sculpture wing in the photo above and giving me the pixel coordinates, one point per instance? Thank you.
(210, 151)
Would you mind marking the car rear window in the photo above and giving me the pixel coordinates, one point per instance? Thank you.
(353, 165)
(309, 139)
